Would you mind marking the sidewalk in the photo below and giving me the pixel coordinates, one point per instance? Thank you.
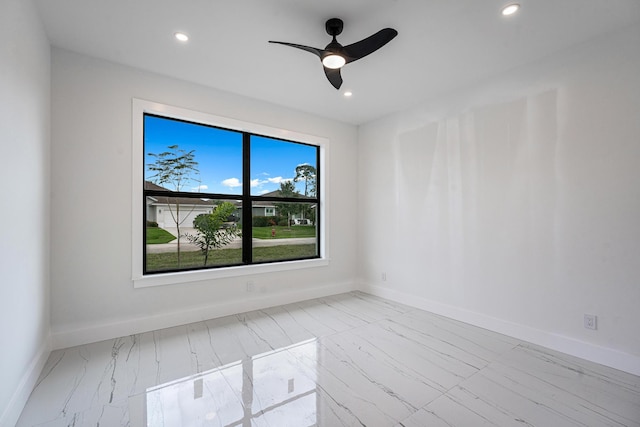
(187, 246)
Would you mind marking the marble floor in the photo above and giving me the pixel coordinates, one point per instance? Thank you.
(345, 360)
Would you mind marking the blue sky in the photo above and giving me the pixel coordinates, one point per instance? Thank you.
(219, 156)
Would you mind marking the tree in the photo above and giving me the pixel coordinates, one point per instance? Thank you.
(287, 189)
(213, 229)
(175, 168)
(307, 173)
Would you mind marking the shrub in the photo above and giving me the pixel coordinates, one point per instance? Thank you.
(152, 224)
(282, 222)
(260, 221)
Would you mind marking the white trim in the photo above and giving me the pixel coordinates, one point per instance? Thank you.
(219, 273)
(28, 382)
(139, 107)
(79, 334)
(571, 346)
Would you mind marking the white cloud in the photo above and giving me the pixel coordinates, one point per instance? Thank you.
(232, 182)
(257, 182)
(201, 187)
(264, 192)
(278, 180)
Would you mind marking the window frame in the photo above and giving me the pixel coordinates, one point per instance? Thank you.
(139, 278)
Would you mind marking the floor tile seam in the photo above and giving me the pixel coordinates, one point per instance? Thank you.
(498, 362)
(524, 345)
(391, 317)
(449, 395)
(579, 360)
(424, 407)
(500, 355)
(497, 356)
(461, 385)
(497, 359)
(578, 398)
(353, 328)
(466, 325)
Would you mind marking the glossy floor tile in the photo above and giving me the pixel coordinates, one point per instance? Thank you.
(346, 360)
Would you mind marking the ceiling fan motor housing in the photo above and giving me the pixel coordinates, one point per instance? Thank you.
(334, 26)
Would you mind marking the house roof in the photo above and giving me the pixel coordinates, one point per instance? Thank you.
(276, 193)
(162, 200)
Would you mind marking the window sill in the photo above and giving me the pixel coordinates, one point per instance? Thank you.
(177, 278)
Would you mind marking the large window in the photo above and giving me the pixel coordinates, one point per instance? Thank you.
(216, 197)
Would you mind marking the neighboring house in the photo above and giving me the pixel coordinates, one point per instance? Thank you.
(265, 208)
(269, 208)
(163, 209)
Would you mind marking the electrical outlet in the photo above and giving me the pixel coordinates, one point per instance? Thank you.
(591, 321)
(251, 287)
(384, 276)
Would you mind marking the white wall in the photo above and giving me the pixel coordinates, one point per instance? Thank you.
(92, 293)
(515, 204)
(24, 211)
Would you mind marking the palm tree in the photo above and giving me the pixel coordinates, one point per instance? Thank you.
(307, 173)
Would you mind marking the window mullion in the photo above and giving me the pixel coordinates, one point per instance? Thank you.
(247, 217)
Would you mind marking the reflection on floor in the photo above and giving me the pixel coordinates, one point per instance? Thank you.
(346, 360)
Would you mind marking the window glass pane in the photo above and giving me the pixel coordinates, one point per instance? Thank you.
(188, 233)
(289, 234)
(281, 168)
(184, 156)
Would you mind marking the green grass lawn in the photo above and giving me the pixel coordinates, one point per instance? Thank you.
(295, 231)
(157, 235)
(168, 261)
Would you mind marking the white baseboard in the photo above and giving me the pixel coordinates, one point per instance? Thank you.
(85, 334)
(12, 412)
(592, 352)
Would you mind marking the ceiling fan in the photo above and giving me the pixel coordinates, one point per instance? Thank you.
(334, 56)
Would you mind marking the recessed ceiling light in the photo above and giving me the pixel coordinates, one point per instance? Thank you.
(510, 9)
(181, 37)
(348, 94)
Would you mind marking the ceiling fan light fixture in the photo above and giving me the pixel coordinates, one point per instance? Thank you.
(333, 61)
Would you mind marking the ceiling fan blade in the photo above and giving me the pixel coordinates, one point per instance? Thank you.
(334, 76)
(315, 51)
(369, 45)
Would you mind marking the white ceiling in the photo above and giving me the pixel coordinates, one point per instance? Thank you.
(442, 44)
